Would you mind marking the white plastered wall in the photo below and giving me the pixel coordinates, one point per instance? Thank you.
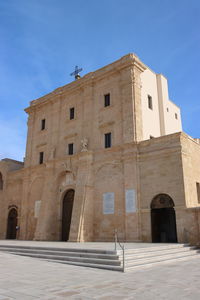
(150, 117)
(170, 115)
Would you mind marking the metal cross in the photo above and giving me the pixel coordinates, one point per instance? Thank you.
(76, 72)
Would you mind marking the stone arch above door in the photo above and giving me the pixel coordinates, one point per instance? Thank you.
(163, 219)
(162, 201)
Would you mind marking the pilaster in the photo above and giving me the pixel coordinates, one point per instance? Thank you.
(82, 216)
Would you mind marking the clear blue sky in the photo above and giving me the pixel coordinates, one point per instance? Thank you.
(42, 40)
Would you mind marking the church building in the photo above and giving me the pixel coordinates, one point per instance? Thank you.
(104, 153)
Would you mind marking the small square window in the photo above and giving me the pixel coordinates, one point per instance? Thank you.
(43, 124)
(41, 158)
(70, 149)
(176, 116)
(107, 137)
(107, 100)
(150, 102)
(151, 137)
(71, 112)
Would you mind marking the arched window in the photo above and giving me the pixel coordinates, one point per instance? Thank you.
(1, 181)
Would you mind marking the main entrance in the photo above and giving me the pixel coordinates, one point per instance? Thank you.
(163, 220)
(67, 214)
(12, 224)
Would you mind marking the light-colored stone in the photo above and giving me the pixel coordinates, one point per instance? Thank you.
(167, 164)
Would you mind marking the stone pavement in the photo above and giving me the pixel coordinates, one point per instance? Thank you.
(27, 278)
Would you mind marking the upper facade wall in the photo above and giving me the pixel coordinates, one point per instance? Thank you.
(128, 117)
(92, 118)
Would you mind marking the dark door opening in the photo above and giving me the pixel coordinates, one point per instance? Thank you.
(67, 214)
(12, 224)
(163, 220)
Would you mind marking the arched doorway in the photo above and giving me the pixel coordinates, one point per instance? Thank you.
(12, 224)
(67, 207)
(163, 219)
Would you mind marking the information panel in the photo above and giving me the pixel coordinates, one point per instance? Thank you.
(108, 203)
(130, 201)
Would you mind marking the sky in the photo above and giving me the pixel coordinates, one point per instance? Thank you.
(41, 41)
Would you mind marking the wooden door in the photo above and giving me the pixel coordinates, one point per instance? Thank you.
(67, 214)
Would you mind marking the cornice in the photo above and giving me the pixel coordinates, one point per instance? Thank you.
(129, 60)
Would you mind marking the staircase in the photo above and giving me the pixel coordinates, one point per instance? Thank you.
(107, 259)
(93, 258)
(162, 253)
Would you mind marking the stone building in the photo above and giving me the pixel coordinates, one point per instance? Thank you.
(104, 153)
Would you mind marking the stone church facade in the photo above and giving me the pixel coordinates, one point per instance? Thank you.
(104, 153)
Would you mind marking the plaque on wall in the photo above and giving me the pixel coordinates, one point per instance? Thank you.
(37, 208)
(108, 203)
(130, 201)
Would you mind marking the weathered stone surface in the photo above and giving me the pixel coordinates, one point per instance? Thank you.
(167, 164)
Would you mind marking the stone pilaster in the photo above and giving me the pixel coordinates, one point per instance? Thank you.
(24, 207)
(45, 229)
(82, 215)
(137, 103)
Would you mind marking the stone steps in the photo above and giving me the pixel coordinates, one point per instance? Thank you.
(140, 265)
(107, 259)
(94, 258)
(88, 250)
(156, 255)
(89, 265)
(71, 258)
(60, 253)
(158, 247)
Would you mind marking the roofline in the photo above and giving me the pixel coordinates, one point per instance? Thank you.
(12, 160)
(114, 67)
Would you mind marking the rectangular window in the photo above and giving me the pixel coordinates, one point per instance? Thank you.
(43, 124)
(176, 116)
(41, 158)
(71, 112)
(150, 102)
(198, 191)
(70, 149)
(107, 100)
(108, 140)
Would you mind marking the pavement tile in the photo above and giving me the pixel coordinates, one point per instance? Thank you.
(25, 278)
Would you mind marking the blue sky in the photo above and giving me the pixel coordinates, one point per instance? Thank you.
(42, 40)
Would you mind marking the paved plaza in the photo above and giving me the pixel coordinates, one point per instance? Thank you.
(27, 278)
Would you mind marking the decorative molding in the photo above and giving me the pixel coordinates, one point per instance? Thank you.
(41, 145)
(70, 136)
(107, 124)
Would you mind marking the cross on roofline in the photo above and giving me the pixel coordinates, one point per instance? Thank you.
(76, 72)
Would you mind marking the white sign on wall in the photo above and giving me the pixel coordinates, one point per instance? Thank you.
(108, 203)
(37, 208)
(130, 201)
